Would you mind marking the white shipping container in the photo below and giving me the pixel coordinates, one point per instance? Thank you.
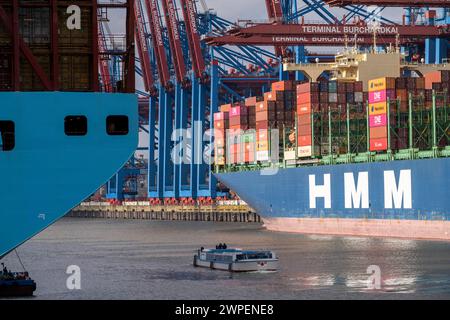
(332, 97)
(359, 97)
(303, 152)
(289, 155)
(262, 155)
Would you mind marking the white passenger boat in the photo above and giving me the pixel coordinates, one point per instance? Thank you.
(236, 260)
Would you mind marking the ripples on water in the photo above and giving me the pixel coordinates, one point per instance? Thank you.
(131, 259)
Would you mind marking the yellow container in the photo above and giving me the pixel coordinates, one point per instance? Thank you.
(381, 84)
(262, 145)
(377, 108)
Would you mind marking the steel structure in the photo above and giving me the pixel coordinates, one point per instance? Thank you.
(192, 60)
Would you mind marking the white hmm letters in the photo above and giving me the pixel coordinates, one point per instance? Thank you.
(397, 194)
(74, 20)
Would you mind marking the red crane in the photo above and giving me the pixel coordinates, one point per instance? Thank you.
(275, 13)
(190, 19)
(392, 3)
(327, 35)
(103, 61)
(158, 43)
(144, 55)
(175, 41)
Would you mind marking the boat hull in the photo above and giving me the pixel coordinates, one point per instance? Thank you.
(17, 288)
(241, 266)
(48, 172)
(405, 199)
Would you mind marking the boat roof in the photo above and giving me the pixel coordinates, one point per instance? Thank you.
(235, 250)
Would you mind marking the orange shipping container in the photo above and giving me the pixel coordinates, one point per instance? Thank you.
(225, 108)
(252, 101)
(378, 132)
(282, 86)
(432, 77)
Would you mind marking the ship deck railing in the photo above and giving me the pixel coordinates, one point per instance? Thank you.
(390, 155)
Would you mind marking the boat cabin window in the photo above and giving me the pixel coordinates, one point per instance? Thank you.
(7, 135)
(75, 125)
(117, 125)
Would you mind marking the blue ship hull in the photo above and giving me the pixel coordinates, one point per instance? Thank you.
(356, 199)
(48, 173)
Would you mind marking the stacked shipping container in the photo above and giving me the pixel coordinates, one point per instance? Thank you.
(73, 64)
(381, 91)
(337, 117)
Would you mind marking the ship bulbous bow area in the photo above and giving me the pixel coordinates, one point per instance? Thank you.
(52, 165)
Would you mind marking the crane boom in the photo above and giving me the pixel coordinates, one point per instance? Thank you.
(190, 19)
(174, 40)
(144, 55)
(275, 13)
(158, 42)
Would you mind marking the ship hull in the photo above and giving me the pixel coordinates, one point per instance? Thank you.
(49, 172)
(405, 199)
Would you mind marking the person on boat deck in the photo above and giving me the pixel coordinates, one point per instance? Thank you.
(5, 270)
(224, 246)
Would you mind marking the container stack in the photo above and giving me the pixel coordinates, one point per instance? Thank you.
(221, 124)
(381, 91)
(322, 114)
(336, 117)
(307, 102)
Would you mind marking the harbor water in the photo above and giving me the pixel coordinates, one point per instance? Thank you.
(144, 259)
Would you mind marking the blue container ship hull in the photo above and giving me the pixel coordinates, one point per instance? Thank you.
(48, 172)
(391, 199)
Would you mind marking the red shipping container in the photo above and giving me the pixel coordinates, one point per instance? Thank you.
(265, 116)
(307, 98)
(235, 121)
(341, 87)
(307, 87)
(304, 109)
(378, 144)
(238, 111)
(220, 116)
(266, 106)
(221, 124)
(282, 85)
(304, 130)
(349, 87)
(323, 97)
(341, 98)
(303, 119)
(304, 141)
(262, 125)
(358, 86)
(274, 96)
(234, 148)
